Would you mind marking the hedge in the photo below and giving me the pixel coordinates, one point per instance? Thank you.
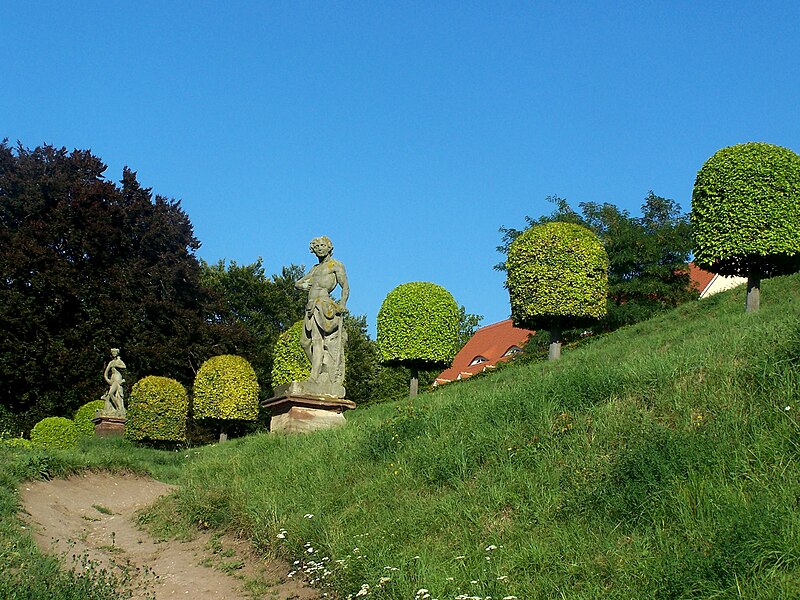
(226, 387)
(557, 276)
(85, 414)
(55, 432)
(290, 362)
(157, 410)
(746, 211)
(418, 323)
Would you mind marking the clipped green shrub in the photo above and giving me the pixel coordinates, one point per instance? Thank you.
(55, 432)
(418, 323)
(17, 442)
(157, 410)
(290, 361)
(557, 274)
(557, 278)
(85, 414)
(746, 213)
(226, 388)
(746, 210)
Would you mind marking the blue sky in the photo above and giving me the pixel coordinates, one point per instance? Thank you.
(408, 132)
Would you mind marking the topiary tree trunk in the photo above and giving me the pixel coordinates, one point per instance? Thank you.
(555, 343)
(413, 387)
(753, 290)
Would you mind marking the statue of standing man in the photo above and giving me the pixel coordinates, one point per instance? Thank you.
(324, 337)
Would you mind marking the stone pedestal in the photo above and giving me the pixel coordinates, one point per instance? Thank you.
(109, 426)
(311, 389)
(302, 414)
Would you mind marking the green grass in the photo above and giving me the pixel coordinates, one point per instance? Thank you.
(659, 461)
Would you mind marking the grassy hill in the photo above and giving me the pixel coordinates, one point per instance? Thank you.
(660, 461)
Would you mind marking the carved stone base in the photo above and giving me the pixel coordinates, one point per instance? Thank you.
(109, 426)
(303, 414)
(312, 389)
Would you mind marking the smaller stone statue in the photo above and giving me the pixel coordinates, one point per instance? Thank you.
(115, 396)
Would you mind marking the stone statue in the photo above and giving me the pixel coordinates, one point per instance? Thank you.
(323, 337)
(115, 396)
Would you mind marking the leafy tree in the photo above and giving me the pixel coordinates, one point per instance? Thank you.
(746, 214)
(226, 389)
(257, 306)
(557, 277)
(418, 328)
(467, 326)
(88, 265)
(647, 255)
(157, 410)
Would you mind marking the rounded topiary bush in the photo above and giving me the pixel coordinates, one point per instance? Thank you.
(85, 414)
(746, 211)
(557, 276)
(418, 324)
(290, 361)
(226, 387)
(157, 410)
(17, 442)
(55, 432)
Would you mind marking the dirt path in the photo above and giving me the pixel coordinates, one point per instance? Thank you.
(94, 513)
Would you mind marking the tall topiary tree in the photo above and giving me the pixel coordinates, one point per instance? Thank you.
(157, 410)
(557, 278)
(418, 326)
(746, 214)
(290, 362)
(226, 389)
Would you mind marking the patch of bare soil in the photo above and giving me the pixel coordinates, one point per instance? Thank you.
(94, 515)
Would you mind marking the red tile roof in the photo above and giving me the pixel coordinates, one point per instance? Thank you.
(491, 342)
(700, 277)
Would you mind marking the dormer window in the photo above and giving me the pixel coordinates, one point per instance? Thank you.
(512, 351)
(478, 360)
